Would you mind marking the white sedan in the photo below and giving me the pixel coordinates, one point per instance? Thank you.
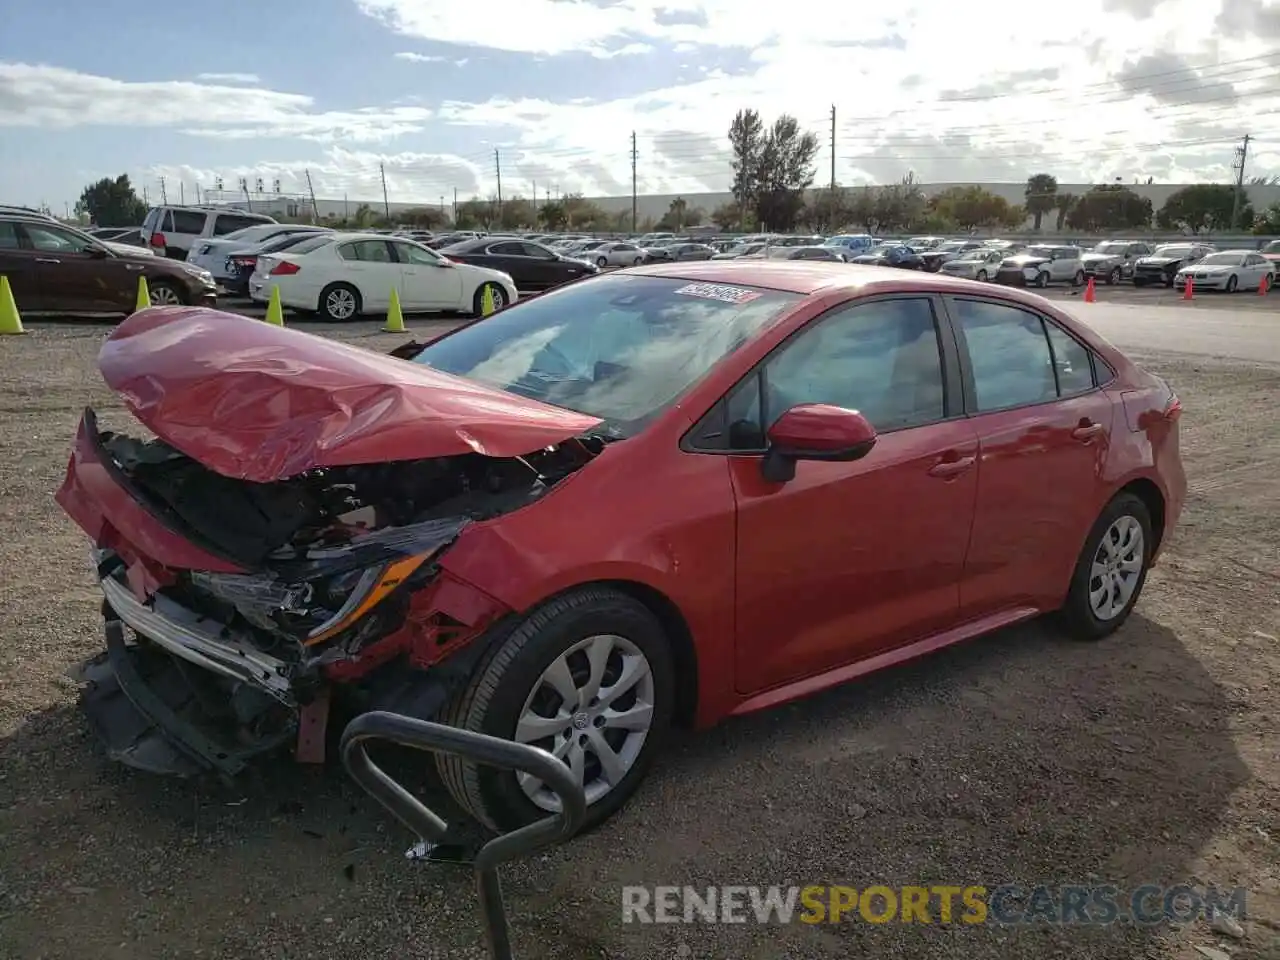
(981, 264)
(344, 276)
(608, 253)
(210, 253)
(1230, 270)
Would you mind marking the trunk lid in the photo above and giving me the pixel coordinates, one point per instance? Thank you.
(257, 402)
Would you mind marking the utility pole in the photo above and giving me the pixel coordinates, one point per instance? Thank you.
(182, 194)
(833, 148)
(634, 155)
(164, 197)
(315, 207)
(455, 206)
(198, 194)
(145, 199)
(1242, 155)
(497, 169)
(386, 205)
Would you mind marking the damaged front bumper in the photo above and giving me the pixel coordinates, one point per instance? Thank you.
(182, 695)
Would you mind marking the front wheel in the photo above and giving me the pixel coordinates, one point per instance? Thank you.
(982, 276)
(499, 298)
(637, 261)
(1113, 277)
(339, 302)
(1078, 279)
(1111, 570)
(1042, 280)
(1232, 283)
(587, 677)
(601, 262)
(164, 294)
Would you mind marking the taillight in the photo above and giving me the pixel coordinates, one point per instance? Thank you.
(244, 261)
(157, 240)
(1173, 409)
(284, 269)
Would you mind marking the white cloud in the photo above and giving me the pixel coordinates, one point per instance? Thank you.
(229, 77)
(37, 95)
(419, 58)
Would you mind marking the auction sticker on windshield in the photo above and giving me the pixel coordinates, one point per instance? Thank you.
(720, 291)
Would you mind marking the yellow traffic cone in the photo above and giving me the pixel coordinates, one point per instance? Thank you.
(144, 295)
(275, 312)
(395, 317)
(10, 321)
(487, 306)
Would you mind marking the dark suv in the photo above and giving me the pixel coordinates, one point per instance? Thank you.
(57, 269)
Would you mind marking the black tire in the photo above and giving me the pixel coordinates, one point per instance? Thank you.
(601, 262)
(982, 276)
(1232, 283)
(1042, 279)
(1079, 279)
(1114, 276)
(477, 301)
(157, 290)
(324, 308)
(1077, 613)
(492, 701)
(637, 262)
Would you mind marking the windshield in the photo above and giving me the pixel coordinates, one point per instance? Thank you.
(242, 232)
(1221, 259)
(1039, 251)
(620, 347)
(1173, 251)
(951, 246)
(1272, 247)
(591, 244)
(1111, 248)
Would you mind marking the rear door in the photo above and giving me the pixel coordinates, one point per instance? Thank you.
(75, 275)
(372, 267)
(509, 257)
(1044, 429)
(427, 280)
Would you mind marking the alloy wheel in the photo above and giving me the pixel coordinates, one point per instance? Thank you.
(592, 708)
(340, 304)
(1117, 568)
(164, 296)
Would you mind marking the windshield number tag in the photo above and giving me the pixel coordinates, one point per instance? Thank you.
(719, 291)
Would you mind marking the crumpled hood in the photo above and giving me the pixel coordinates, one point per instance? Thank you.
(258, 402)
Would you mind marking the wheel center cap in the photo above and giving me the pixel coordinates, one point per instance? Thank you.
(580, 721)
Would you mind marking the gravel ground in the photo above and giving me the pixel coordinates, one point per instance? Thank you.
(1020, 758)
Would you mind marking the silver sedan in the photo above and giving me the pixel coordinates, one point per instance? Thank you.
(610, 253)
(1229, 270)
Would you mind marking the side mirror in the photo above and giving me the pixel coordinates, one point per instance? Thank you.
(98, 253)
(815, 431)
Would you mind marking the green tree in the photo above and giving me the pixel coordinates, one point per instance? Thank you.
(785, 173)
(473, 214)
(428, 218)
(828, 211)
(111, 203)
(971, 207)
(1110, 206)
(675, 217)
(552, 216)
(747, 140)
(1041, 196)
(517, 213)
(730, 215)
(1063, 204)
(1268, 223)
(582, 214)
(1202, 206)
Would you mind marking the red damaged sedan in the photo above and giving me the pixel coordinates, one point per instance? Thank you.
(661, 496)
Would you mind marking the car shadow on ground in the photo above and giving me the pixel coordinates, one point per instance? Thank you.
(1018, 758)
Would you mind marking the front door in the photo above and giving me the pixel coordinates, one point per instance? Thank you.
(374, 270)
(427, 280)
(849, 560)
(1043, 431)
(76, 275)
(18, 263)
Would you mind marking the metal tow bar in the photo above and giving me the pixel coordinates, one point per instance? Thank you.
(483, 749)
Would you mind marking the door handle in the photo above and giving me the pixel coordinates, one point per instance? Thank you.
(951, 468)
(135, 267)
(1087, 431)
(47, 260)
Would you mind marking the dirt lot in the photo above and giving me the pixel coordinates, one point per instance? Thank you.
(1021, 758)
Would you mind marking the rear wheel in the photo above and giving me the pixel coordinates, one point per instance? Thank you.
(340, 302)
(1232, 283)
(637, 261)
(601, 262)
(1113, 277)
(1078, 279)
(1042, 279)
(1111, 569)
(982, 275)
(164, 294)
(587, 677)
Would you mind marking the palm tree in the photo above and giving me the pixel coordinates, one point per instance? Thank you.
(1063, 202)
(1041, 196)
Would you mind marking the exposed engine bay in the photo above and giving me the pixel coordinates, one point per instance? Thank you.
(332, 554)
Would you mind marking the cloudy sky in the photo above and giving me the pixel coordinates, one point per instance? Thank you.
(430, 88)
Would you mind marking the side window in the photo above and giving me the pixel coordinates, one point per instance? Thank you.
(49, 239)
(226, 223)
(166, 221)
(408, 253)
(625, 248)
(1009, 355)
(881, 359)
(506, 250)
(187, 221)
(368, 251)
(1071, 360)
(533, 250)
(8, 235)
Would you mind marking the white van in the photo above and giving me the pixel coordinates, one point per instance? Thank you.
(172, 230)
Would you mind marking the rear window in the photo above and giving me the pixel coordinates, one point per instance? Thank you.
(621, 348)
(312, 243)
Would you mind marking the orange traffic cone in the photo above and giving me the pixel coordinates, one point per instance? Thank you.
(1187, 291)
(1090, 296)
(1265, 286)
